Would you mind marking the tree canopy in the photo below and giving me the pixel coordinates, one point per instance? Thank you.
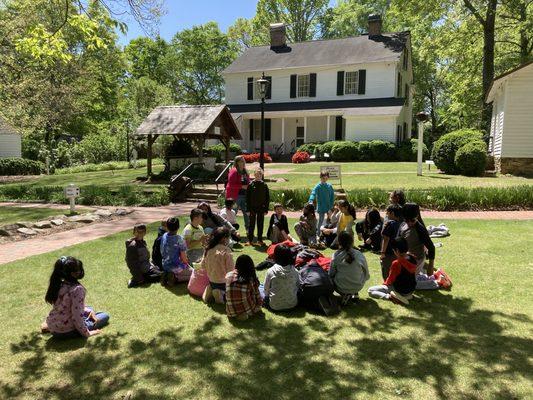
(64, 76)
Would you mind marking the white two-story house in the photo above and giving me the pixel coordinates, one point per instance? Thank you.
(356, 88)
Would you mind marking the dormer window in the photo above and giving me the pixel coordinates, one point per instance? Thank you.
(303, 85)
(351, 82)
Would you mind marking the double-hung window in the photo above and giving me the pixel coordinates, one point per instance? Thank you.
(303, 85)
(351, 82)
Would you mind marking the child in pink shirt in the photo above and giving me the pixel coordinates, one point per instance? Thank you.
(69, 317)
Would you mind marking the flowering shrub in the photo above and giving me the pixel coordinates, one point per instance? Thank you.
(254, 157)
(301, 157)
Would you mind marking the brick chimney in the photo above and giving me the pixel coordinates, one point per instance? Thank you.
(278, 36)
(374, 25)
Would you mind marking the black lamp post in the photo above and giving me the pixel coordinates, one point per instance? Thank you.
(262, 84)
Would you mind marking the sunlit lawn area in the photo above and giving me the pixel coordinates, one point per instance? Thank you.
(107, 178)
(474, 342)
(387, 175)
(359, 175)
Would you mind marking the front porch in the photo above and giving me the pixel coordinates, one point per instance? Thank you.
(285, 132)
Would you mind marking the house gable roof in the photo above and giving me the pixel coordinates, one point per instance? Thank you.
(352, 50)
(188, 120)
(6, 129)
(499, 80)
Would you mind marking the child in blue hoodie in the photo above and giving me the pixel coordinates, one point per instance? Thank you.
(323, 196)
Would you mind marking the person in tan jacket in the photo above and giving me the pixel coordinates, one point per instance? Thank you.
(217, 261)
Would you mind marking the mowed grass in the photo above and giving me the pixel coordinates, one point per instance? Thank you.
(106, 178)
(356, 175)
(474, 342)
(9, 215)
(386, 175)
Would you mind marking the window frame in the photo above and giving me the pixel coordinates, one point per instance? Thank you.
(308, 78)
(354, 83)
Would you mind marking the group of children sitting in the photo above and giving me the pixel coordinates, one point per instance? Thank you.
(202, 256)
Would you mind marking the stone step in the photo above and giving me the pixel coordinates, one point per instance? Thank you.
(206, 190)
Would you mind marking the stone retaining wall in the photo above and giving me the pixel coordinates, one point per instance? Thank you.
(515, 166)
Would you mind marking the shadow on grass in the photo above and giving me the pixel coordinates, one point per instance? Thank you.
(264, 358)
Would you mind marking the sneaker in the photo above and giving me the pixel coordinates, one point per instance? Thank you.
(132, 284)
(444, 282)
(261, 243)
(397, 298)
(345, 299)
(355, 299)
(248, 243)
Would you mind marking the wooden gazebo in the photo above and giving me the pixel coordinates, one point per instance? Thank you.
(193, 123)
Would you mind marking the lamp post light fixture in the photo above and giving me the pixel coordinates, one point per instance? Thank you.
(421, 118)
(262, 85)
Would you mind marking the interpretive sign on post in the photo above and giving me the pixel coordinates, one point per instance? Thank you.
(71, 192)
(334, 172)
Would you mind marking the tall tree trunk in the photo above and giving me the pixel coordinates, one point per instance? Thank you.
(488, 63)
(524, 39)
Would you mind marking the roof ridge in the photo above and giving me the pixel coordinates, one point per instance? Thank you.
(191, 106)
(333, 39)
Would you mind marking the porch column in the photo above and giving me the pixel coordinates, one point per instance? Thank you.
(283, 131)
(305, 129)
(328, 128)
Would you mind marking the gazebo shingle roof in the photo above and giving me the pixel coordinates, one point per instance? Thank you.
(183, 120)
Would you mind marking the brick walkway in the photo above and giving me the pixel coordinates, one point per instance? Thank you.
(18, 250)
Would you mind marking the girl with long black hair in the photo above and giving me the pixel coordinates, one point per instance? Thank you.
(243, 298)
(69, 317)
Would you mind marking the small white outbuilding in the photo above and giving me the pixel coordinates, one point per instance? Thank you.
(10, 140)
(511, 131)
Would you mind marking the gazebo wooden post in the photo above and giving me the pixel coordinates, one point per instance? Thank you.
(200, 143)
(151, 140)
(226, 143)
(149, 158)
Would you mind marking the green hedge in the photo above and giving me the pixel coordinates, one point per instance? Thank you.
(408, 151)
(445, 149)
(446, 198)
(20, 166)
(219, 151)
(127, 195)
(375, 150)
(471, 159)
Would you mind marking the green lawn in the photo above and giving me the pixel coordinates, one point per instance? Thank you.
(9, 215)
(474, 342)
(107, 178)
(387, 175)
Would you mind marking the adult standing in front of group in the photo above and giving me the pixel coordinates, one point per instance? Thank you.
(238, 180)
(323, 196)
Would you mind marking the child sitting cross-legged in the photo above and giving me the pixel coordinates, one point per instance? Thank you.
(69, 316)
(348, 270)
(369, 230)
(217, 262)
(401, 282)
(306, 227)
(243, 299)
(278, 228)
(194, 236)
(174, 254)
(138, 259)
(229, 214)
(282, 281)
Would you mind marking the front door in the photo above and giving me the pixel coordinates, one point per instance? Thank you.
(300, 136)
